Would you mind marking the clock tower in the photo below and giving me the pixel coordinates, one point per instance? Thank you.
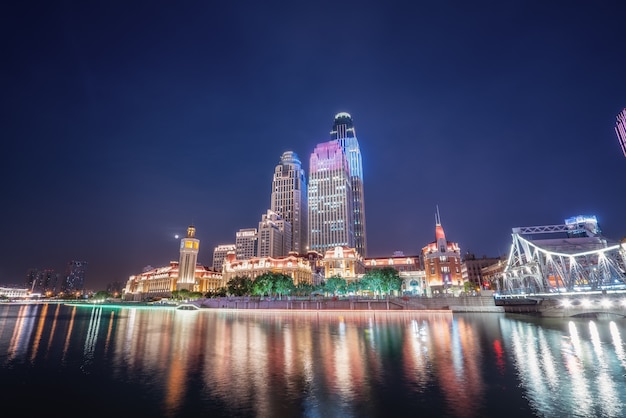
(189, 247)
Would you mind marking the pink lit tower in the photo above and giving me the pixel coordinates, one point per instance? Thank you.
(620, 130)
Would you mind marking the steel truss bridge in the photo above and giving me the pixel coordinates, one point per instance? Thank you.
(562, 260)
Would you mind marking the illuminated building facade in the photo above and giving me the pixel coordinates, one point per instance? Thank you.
(343, 262)
(289, 199)
(343, 132)
(472, 270)
(274, 236)
(442, 263)
(331, 218)
(219, 253)
(620, 130)
(246, 243)
(409, 269)
(162, 281)
(189, 247)
(75, 278)
(294, 265)
(42, 281)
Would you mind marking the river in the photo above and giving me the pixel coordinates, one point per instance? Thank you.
(87, 361)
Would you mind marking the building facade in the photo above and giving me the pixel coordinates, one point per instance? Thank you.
(409, 268)
(189, 247)
(331, 218)
(344, 262)
(219, 254)
(289, 198)
(472, 270)
(246, 243)
(162, 281)
(74, 280)
(294, 265)
(620, 130)
(274, 236)
(442, 264)
(343, 132)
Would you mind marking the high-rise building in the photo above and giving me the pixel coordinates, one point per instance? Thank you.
(620, 130)
(189, 247)
(75, 277)
(289, 198)
(274, 236)
(246, 243)
(42, 281)
(343, 132)
(331, 218)
(219, 254)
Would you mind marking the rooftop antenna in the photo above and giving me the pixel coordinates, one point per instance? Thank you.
(437, 217)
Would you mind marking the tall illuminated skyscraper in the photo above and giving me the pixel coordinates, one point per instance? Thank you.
(343, 132)
(189, 247)
(620, 130)
(289, 198)
(75, 278)
(331, 218)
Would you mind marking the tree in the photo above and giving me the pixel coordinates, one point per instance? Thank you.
(335, 284)
(283, 284)
(239, 286)
(263, 285)
(391, 280)
(304, 289)
(101, 295)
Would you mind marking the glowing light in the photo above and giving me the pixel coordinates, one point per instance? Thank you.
(606, 303)
(586, 303)
(566, 303)
(176, 236)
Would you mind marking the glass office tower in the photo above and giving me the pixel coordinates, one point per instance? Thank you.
(289, 198)
(331, 218)
(343, 132)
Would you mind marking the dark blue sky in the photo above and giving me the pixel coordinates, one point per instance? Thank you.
(124, 122)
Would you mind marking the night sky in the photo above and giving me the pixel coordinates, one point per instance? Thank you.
(123, 122)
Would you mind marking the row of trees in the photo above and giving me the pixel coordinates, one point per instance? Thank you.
(378, 282)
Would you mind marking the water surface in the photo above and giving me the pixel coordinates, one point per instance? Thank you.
(103, 361)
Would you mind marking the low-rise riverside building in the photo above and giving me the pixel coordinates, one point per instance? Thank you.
(293, 265)
(344, 262)
(442, 264)
(409, 268)
(162, 281)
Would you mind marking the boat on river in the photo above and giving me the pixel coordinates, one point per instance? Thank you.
(187, 307)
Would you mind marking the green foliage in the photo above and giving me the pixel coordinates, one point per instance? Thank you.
(239, 286)
(101, 295)
(263, 285)
(221, 292)
(304, 289)
(382, 281)
(181, 294)
(272, 283)
(334, 285)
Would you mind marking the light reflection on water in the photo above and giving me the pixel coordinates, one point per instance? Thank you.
(163, 362)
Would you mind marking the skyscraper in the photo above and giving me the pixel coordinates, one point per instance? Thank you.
(620, 130)
(331, 218)
(246, 243)
(189, 247)
(343, 132)
(289, 198)
(75, 277)
(274, 236)
(219, 254)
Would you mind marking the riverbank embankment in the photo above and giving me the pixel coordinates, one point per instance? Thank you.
(455, 304)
